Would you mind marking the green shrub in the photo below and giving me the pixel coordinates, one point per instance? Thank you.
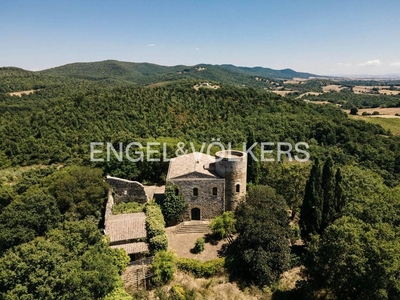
(121, 259)
(118, 294)
(178, 292)
(173, 206)
(224, 225)
(155, 227)
(158, 243)
(375, 113)
(205, 269)
(153, 211)
(199, 245)
(163, 267)
(127, 208)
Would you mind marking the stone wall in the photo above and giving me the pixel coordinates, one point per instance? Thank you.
(210, 205)
(126, 191)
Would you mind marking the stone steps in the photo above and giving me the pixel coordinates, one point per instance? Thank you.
(193, 227)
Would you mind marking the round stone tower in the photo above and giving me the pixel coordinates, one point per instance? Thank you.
(232, 165)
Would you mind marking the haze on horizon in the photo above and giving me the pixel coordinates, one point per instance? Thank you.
(320, 37)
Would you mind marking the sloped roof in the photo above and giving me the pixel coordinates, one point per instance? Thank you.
(125, 227)
(195, 163)
(132, 248)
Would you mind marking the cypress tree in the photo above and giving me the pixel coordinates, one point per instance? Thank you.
(339, 197)
(254, 169)
(328, 190)
(311, 209)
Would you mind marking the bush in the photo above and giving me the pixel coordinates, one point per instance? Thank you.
(163, 267)
(158, 243)
(375, 113)
(155, 227)
(174, 205)
(398, 115)
(121, 259)
(127, 208)
(353, 110)
(153, 211)
(198, 246)
(366, 113)
(177, 292)
(224, 225)
(118, 294)
(201, 269)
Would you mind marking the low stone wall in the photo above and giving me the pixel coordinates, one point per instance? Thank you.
(127, 191)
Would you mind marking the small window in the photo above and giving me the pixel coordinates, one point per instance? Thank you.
(237, 188)
(195, 192)
(176, 192)
(215, 191)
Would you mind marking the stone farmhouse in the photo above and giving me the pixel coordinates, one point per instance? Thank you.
(209, 184)
(127, 231)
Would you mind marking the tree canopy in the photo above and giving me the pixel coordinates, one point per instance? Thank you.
(261, 251)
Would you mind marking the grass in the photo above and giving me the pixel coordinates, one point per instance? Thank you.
(127, 208)
(392, 124)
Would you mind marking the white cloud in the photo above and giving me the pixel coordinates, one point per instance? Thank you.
(375, 62)
(344, 64)
(151, 45)
(395, 64)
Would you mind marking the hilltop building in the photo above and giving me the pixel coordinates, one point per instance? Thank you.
(209, 184)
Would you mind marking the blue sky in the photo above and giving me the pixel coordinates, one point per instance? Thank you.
(318, 36)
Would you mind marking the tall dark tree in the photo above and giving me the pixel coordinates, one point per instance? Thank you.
(339, 200)
(254, 169)
(323, 199)
(173, 206)
(261, 251)
(312, 207)
(328, 191)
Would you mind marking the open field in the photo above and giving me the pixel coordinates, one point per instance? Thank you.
(389, 92)
(316, 102)
(309, 94)
(383, 112)
(366, 89)
(206, 85)
(295, 81)
(19, 94)
(283, 93)
(332, 87)
(392, 124)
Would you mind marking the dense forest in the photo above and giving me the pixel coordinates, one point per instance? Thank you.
(344, 203)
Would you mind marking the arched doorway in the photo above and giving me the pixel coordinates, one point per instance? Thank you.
(195, 213)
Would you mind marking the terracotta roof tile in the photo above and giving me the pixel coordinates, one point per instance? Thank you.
(190, 163)
(125, 227)
(132, 248)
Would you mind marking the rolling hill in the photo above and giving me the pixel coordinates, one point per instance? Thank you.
(146, 73)
(114, 73)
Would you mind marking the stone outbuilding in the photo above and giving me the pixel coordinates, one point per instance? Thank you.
(209, 184)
